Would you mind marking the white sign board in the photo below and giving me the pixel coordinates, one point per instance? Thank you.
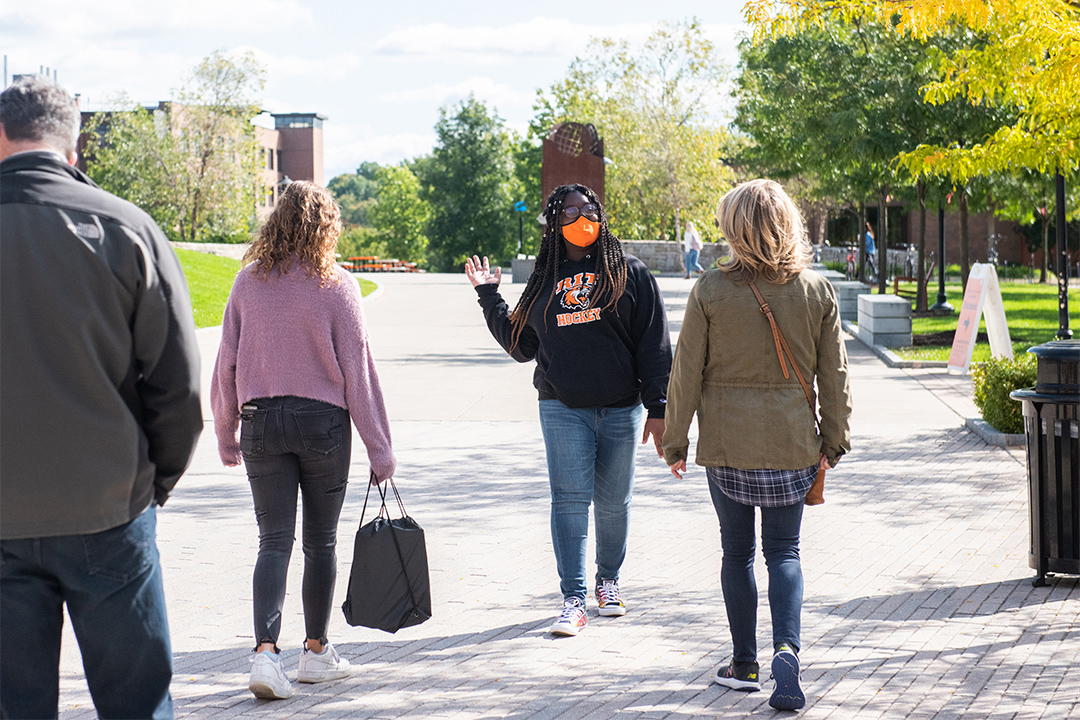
(982, 298)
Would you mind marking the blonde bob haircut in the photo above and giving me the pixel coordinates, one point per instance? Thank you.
(765, 232)
(303, 228)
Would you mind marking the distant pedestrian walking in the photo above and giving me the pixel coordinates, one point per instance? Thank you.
(871, 248)
(692, 245)
(594, 321)
(101, 413)
(293, 366)
(757, 437)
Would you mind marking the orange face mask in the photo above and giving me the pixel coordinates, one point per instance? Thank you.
(582, 232)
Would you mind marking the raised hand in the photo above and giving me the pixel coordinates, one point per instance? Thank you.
(479, 272)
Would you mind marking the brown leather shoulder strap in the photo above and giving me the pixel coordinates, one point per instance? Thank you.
(778, 338)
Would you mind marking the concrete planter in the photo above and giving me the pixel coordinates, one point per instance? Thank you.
(884, 320)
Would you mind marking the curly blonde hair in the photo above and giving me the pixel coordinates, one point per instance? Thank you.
(765, 231)
(304, 227)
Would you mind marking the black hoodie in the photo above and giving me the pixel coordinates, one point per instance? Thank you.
(586, 357)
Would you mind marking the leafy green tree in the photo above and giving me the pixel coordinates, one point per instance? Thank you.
(469, 183)
(1026, 61)
(1028, 197)
(838, 100)
(194, 163)
(356, 193)
(400, 216)
(130, 154)
(653, 104)
(528, 157)
(801, 93)
(360, 241)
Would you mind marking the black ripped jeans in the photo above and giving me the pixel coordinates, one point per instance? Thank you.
(289, 443)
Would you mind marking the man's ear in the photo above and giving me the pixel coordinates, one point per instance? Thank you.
(73, 157)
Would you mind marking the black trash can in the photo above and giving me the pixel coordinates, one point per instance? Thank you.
(1053, 459)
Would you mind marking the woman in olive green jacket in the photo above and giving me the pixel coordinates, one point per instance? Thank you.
(757, 434)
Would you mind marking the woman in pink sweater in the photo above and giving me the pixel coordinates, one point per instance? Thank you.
(293, 366)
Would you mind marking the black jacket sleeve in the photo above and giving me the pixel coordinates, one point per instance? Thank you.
(167, 358)
(652, 342)
(497, 316)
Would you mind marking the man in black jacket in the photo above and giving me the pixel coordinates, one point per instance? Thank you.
(99, 379)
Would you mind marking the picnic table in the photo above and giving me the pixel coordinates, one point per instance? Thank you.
(373, 263)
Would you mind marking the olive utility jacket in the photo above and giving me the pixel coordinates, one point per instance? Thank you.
(726, 370)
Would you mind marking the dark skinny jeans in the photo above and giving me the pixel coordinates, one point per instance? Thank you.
(292, 443)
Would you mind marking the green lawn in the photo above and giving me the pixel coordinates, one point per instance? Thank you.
(210, 278)
(1030, 310)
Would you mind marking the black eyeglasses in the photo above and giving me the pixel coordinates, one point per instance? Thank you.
(570, 212)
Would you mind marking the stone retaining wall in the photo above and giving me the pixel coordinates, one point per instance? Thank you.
(229, 250)
(660, 256)
(667, 257)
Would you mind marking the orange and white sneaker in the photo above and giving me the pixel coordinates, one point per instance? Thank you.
(571, 620)
(607, 597)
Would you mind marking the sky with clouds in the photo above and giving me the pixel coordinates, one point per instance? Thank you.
(379, 70)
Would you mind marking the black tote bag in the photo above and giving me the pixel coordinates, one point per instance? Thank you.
(389, 586)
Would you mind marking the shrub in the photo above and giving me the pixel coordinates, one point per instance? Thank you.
(994, 380)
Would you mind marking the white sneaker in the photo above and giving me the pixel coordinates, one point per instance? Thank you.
(571, 620)
(268, 679)
(320, 667)
(609, 600)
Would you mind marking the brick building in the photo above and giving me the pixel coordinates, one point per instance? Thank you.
(293, 149)
(1010, 244)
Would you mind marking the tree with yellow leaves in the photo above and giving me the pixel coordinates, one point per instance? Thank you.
(1030, 59)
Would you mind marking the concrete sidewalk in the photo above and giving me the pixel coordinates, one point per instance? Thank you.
(918, 595)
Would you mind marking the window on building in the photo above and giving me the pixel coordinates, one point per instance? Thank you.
(270, 157)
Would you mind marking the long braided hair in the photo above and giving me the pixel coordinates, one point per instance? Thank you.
(610, 260)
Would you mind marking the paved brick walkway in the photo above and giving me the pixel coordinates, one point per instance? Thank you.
(918, 595)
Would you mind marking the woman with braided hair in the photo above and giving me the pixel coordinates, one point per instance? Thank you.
(594, 321)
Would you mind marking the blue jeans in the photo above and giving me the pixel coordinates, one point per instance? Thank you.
(292, 444)
(111, 582)
(780, 544)
(590, 458)
(692, 261)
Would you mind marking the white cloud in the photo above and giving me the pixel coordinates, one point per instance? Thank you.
(726, 40)
(557, 39)
(496, 94)
(554, 38)
(83, 21)
(101, 73)
(346, 147)
(319, 68)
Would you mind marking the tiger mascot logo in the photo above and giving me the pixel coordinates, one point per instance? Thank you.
(575, 295)
(574, 291)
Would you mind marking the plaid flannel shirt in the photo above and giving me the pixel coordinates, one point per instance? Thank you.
(763, 488)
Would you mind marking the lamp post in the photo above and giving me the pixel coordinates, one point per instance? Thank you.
(520, 209)
(942, 304)
(1063, 333)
